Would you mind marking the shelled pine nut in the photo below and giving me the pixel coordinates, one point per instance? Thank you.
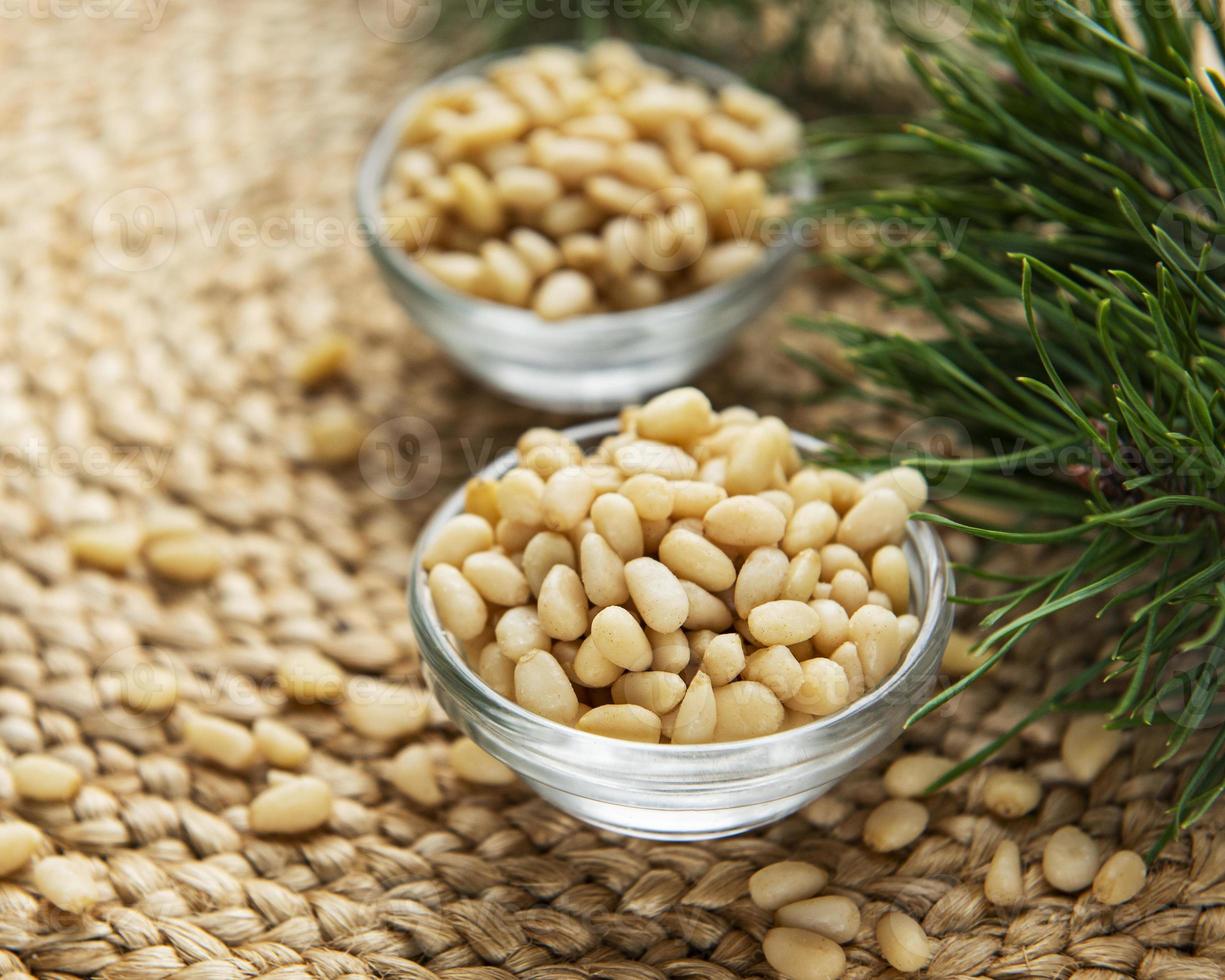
(803, 955)
(66, 883)
(412, 773)
(1088, 746)
(625, 579)
(785, 882)
(1011, 794)
(894, 825)
(832, 916)
(1004, 885)
(910, 775)
(44, 778)
(18, 843)
(1120, 879)
(293, 806)
(474, 764)
(1070, 859)
(903, 942)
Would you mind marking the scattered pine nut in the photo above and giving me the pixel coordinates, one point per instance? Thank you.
(473, 763)
(109, 547)
(909, 775)
(803, 955)
(44, 778)
(66, 883)
(220, 740)
(323, 360)
(958, 660)
(336, 435)
(1011, 793)
(832, 916)
(1120, 879)
(903, 943)
(1088, 746)
(308, 677)
(18, 843)
(1004, 885)
(293, 806)
(784, 883)
(894, 825)
(148, 688)
(281, 745)
(412, 773)
(187, 558)
(1070, 859)
(385, 709)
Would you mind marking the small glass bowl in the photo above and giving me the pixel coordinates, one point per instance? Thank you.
(586, 364)
(684, 792)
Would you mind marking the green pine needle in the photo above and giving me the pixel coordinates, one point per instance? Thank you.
(1076, 267)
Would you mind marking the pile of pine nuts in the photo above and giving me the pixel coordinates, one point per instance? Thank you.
(573, 183)
(689, 581)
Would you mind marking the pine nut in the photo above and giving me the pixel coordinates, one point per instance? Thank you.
(530, 188)
(476, 199)
(696, 716)
(812, 526)
(18, 843)
(777, 669)
(657, 594)
(907, 483)
(628, 721)
(542, 687)
(474, 764)
(294, 806)
(803, 573)
(649, 456)
(745, 709)
(384, 710)
(706, 611)
(496, 578)
(780, 499)
(909, 775)
(874, 632)
(877, 519)
(1120, 879)
(744, 522)
(457, 539)
(783, 621)
(109, 547)
(832, 916)
(907, 630)
(279, 744)
(412, 773)
(308, 677)
(616, 521)
(1070, 859)
(894, 825)
(149, 688)
(603, 572)
(540, 254)
(669, 651)
(694, 558)
(498, 670)
(657, 691)
(562, 604)
(563, 294)
(723, 659)
(510, 276)
(760, 579)
(592, 668)
(220, 740)
(519, 629)
(847, 657)
(903, 943)
(542, 552)
(620, 639)
(784, 883)
(824, 688)
(520, 496)
(44, 778)
(1088, 746)
(849, 589)
(1011, 794)
(844, 489)
(693, 498)
(678, 416)
(803, 955)
(891, 575)
(1004, 885)
(459, 606)
(651, 496)
(837, 557)
(835, 627)
(568, 215)
(66, 883)
(751, 462)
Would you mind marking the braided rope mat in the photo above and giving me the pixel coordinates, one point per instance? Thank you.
(124, 388)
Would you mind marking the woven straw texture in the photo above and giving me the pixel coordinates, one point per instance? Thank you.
(142, 372)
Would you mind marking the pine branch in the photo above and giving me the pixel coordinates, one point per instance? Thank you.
(1064, 216)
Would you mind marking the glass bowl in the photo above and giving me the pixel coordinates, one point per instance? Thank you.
(684, 792)
(586, 364)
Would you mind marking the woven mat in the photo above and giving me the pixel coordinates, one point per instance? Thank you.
(138, 372)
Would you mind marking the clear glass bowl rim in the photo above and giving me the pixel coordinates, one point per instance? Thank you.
(511, 324)
(736, 761)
